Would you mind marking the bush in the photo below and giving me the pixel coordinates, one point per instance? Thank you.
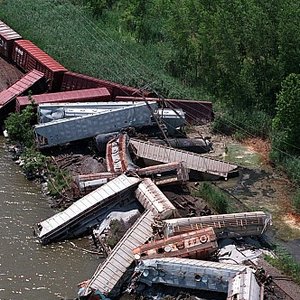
(34, 162)
(19, 126)
(59, 180)
(243, 123)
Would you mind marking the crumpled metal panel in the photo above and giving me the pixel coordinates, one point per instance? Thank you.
(111, 270)
(188, 273)
(244, 287)
(192, 160)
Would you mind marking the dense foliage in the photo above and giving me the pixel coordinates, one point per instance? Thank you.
(286, 124)
(19, 126)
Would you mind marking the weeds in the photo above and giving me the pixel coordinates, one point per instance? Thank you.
(217, 199)
(286, 263)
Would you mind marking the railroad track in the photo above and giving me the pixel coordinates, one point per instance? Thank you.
(276, 291)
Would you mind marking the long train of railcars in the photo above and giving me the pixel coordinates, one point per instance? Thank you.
(27, 56)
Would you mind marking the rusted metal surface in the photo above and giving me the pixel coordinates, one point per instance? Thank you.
(85, 213)
(195, 244)
(60, 132)
(109, 273)
(28, 57)
(151, 197)
(196, 112)
(193, 161)
(165, 173)
(7, 37)
(188, 273)
(118, 159)
(88, 95)
(226, 225)
(75, 81)
(8, 96)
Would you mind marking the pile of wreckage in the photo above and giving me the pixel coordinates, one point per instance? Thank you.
(186, 253)
(195, 253)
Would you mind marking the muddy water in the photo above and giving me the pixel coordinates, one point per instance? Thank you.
(27, 269)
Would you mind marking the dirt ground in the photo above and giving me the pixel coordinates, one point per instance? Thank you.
(8, 74)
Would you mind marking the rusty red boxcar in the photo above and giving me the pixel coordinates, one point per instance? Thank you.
(87, 95)
(28, 57)
(7, 38)
(74, 81)
(33, 81)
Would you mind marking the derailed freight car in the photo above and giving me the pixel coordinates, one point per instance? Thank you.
(75, 81)
(33, 81)
(7, 38)
(63, 131)
(195, 244)
(226, 225)
(28, 56)
(88, 95)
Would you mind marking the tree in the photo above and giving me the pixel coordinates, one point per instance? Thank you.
(286, 124)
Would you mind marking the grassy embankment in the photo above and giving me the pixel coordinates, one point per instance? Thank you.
(95, 47)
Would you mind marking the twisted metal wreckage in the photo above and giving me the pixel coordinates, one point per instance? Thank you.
(156, 242)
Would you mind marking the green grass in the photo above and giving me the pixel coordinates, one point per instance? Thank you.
(216, 198)
(286, 263)
(92, 46)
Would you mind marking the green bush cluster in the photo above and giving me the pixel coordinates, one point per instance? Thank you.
(243, 124)
(34, 161)
(58, 180)
(19, 126)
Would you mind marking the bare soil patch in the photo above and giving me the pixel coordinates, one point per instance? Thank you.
(9, 74)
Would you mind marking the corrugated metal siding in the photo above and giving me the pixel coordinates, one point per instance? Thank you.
(151, 197)
(88, 95)
(7, 32)
(109, 273)
(75, 81)
(83, 205)
(242, 224)
(192, 161)
(7, 37)
(28, 56)
(39, 55)
(20, 87)
(68, 130)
